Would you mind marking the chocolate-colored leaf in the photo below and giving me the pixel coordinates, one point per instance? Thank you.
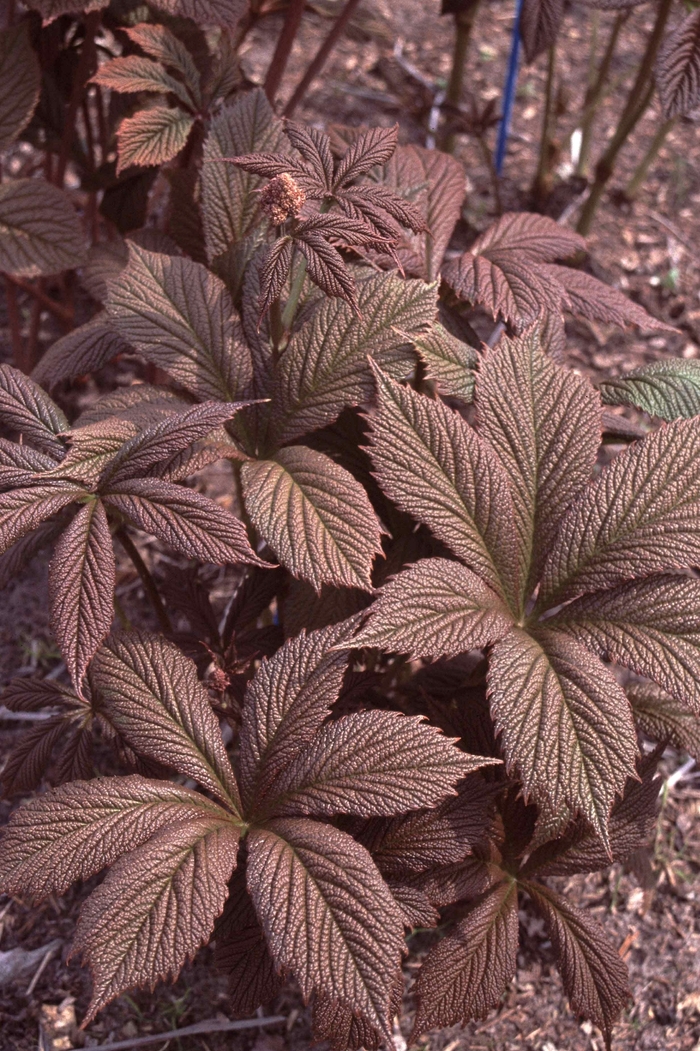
(26, 764)
(40, 232)
(448, 361)
(225, 13)
(325, 365)
(22, 510)
(13, 561)
(535, 238)
(32, 695)
(434, 608)
(327, 914)
(168, 437)
(677, 69)
(314, 515)
(19, 463)
(564, 722)
(588, 297)
(326, 268)
(51, 9)
(84, 349)
(371, 764)
(242, 953)
(465, 975)
(286, 704)
(156, 907)
(180, 317)
(156, 702)
(133, 73)
(229, 201)
(72, 832)
(594, 976)
(25, 408)
(664, 719)
(274, 272)
(162, 45)
(20, 82)
(543, 424)
(539, 25)
(505, 282)
(152, 136)
(369, 149)
(669, 389)
(81, 588)
(640, 516)
(431, 463)
(651, 626)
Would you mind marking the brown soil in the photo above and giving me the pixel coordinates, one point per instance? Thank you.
(649, 250)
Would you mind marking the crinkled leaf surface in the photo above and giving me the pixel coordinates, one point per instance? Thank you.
(539, 26)
(677, 69)
(448, 361)
(25, 408)
(435, 608)
(327, 914)
(651, 626)
(81, 588)
(668, 389)
(543, 423)
(640, 516)
(184, 520)
(588, 297)
(242, 953)
(84, 349)
(465, 975)
(371, 764)
(504, 283)
(595, 978)
(152, 136)
(325, 366)
(134, 73)
(40, 232)
(664, 719)
(74, 831)
(431, 463)
(536, 238)
(156, 701)
(180, 317)
(158, 42)
(156, 907)
(315, 516)
(564, 723)
(22, 510)
(286, 703)
(20, 82)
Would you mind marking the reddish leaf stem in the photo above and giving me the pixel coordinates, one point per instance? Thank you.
(319, 60)
(283, 50)
(83, 73)
(147, 580)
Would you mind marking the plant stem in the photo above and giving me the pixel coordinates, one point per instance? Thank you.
(86, 66)
(283, 50)
(319, 60)
(15, 323)
(637, 102)
(464, 23)
(596, 90)
(63, 314)
(276, 326)
(541, 184)
(634, 185)
(292, 303)
(147, 580)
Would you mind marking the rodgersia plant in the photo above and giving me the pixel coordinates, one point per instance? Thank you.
(431, 585)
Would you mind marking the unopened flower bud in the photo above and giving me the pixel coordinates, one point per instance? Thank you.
(282, 198)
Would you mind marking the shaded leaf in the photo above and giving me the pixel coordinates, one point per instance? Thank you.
(664, 719)
(588, 297)
(158, 42)
(651, 626)
(448, 361)
(206, 12)
(180, 317)
(668, 389)
(20, 82)
(184, 520)
(316, 518)
(564, 722)
(327, 914)
(40, 232)
(434, 608)
(465, 975)
(539, 25)
(594, 976)
(81, 589)
(325, 365)
(72, 832)
(152, 136)
(371, 764)
(543, 423)
(22, 510)
(32, 695)
(677, 69)
(431, 463)
(155, 700)
(229, 203)
(26, 764)
(25, 408)
(286, 703)
(640, 516)
(156, 907)
(16, 557)
(84, 349)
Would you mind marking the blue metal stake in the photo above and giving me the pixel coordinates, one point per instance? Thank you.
(509, 90)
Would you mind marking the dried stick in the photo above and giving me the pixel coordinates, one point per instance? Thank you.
(319, 60)
(198, 1029)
